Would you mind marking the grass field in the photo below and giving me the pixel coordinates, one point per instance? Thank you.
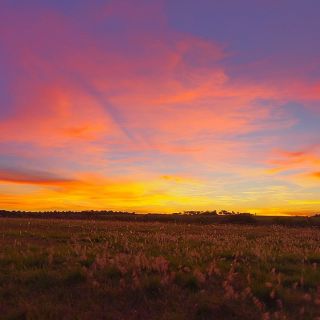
(69, 269)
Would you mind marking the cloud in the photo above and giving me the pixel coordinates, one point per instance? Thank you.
(93, 191)
(284, 160)
(315, 174)
(32, 177)
(82, 86)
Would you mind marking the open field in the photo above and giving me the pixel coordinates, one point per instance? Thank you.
(72, 269)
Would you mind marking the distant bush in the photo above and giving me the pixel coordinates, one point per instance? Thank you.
(200, 213)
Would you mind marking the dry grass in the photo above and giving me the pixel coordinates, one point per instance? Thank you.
(51, 269)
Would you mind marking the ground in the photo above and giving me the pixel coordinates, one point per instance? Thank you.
(72, 269)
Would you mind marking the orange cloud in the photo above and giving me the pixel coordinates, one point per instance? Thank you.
(315, 175)
(155, 194)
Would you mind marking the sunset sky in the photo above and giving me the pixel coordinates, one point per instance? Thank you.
(160, 106)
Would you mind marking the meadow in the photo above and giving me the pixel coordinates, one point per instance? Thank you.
(76, 269)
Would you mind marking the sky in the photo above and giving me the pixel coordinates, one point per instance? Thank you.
(160, 106)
